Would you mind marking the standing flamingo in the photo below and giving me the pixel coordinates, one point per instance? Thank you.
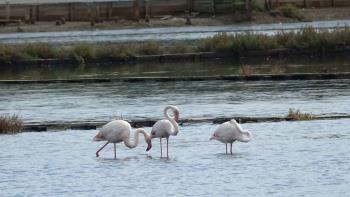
(118, 131)
(166, 127)
(229, 132)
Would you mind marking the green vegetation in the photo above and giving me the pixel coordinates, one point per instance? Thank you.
(291, 11)
(10, 124)
(297, 115)
(308, 38)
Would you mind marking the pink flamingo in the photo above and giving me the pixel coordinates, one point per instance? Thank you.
(118, 131)
(166, 127)
(229, 132)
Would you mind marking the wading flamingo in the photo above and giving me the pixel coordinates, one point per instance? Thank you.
(166, 127)
(230, 131)
(118, 131)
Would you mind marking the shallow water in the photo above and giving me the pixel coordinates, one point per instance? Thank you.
(283, 159)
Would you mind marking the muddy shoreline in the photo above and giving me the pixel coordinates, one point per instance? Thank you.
(253, 77)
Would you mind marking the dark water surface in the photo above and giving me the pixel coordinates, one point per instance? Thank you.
(283, 159)
(248, 66)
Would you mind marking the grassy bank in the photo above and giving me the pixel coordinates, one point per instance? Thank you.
(306, 39)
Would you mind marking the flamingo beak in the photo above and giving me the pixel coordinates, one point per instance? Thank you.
(149, 142)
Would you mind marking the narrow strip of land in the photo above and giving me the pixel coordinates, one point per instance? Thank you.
(253, 77)
(44, 126)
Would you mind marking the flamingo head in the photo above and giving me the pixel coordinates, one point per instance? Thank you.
(214, 137)
(149, 143)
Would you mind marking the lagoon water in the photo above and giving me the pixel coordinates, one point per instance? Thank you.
(106, 101)
(306, 158)
(284, 159)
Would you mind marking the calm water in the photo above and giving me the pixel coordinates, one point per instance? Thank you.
(284, 159)
(104, 101)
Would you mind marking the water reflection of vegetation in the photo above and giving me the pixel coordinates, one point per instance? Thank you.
(335, 64)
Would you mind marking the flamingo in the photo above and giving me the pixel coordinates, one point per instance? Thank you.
(118, 131)
(229, 132)
(166, 127)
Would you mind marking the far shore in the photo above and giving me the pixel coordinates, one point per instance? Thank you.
(310, 14)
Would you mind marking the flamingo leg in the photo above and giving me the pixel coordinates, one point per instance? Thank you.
(97, 152)
(226, 148)
(231, 148)
(167, 147)
(161, 151)
(115, 152)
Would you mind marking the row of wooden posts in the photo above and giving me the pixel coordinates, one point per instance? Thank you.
(94, 9)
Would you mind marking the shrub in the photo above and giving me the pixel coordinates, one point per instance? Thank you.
(9, 53)
(41, 50)
(252, 41)
(220, 42)
(258, 5)
(122, 51)
(10, 124)
(297, 115)
(149, 48)
(180, 47)
(83, 51)
(291, 11)
(246, 70)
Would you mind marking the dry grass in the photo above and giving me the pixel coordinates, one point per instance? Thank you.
(180, 47)
(297, 115)
(246, 70)
(149, 48)
(10, 124)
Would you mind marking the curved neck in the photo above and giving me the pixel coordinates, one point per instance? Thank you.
(136, 138)
(172, 120)
(246, 136)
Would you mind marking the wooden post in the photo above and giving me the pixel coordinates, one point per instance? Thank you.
(37, 12)
(266, 4)
(8, 10)
(248, 9)
(110, 11)
(31, 14)
(333, 3)
(213, 7)
(97, 12)
(136, 9)
(147, 11)
(190, 5)
(70, 12)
